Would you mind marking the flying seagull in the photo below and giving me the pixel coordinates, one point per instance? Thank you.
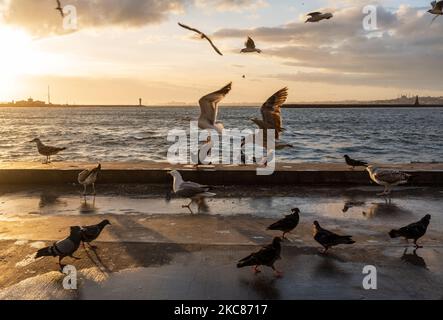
(186, 189)
(271, 113)
(60, 9)
(387, 178)
(89, 177)
(288, 223)
(267, 256)
(64, 248)
(47, 151)
(318, 16)
(250, 47)
(355, 163)
(91, 233)
(202, 35)
(209, 109)
(413, 231)
(437, 9)
(329, 239)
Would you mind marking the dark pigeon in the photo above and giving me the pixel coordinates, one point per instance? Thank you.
(289, 223)
(355, 163)
(267, 256)
(413, 231)
(64, 248)
(91, 233)
(329, 239)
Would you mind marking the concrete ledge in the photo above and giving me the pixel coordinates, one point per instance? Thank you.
(155, 173)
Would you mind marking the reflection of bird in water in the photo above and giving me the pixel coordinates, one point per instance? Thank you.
(414, 259)
(385, 210)
(88, 208)
(352, 204)
(49, 199)
(265, 288)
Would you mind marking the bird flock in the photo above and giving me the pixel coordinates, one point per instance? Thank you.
(197, 193)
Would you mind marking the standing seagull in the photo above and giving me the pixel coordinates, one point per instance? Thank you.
(202, 35)
(413, 231)
(329, 239)
(209, 109)
(318, 16)
(89, 177)
(186, 189)
(91, 233)
(355, 163)
(60, 9)
(250, 47)
(64, 248)
(287, 224)
(47, 151)
(387, 178)
(267, 256)
(437, 9)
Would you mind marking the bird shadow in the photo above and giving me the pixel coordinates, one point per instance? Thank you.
(49, 199)
(88, 207)
(414, 259)
(99, 263)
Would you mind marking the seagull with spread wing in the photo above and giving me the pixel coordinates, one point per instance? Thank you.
(209, 109)
(250, 47)
(318, 16)
(437, 9)
(202, 36)
(388, 178)
(60, 9)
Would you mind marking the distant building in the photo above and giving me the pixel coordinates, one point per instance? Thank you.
(417, 101)
(30, 103)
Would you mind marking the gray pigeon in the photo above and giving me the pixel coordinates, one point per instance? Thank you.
(91, 233)
(288, 223)
(63, 248)
(329, 239)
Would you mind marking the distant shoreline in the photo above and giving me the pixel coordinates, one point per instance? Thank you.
(288, 106)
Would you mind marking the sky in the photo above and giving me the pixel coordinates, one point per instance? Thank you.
(125, 50)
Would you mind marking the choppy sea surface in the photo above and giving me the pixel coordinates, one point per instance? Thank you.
(400, 135)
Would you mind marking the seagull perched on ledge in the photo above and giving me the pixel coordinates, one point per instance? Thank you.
(318, 16)
(47, 151)
(89, 177)
(186, 189)
(388, 178)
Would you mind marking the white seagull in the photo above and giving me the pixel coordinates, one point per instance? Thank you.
(388, 178)
(437, 9)
(202, 36)
(250, 47)
(209, 109)
(89, 177)
(186, 189)
(318, 16)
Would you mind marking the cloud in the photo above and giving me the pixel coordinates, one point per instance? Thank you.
(405, 51)
(232, 5)
(41, 19)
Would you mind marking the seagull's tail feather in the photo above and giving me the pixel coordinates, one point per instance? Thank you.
(207, 195)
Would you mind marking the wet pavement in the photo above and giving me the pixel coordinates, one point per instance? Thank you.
(156, 250)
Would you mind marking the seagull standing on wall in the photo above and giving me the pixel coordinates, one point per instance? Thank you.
(388, 178)
(47, 151)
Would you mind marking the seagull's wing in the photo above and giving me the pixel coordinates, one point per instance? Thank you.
(313, 14)
(439, 5)
(212, 44)
(391, 176)
(250, 44)
(190, 184)
(271, 111)
(190, 28)
(58, 4)
(209, 103)
(83, 176)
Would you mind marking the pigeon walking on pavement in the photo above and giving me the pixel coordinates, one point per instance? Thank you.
(329, 239)
(267, 256)
(91, 233)
(287, 224)
(414, 231)
(63, 248)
